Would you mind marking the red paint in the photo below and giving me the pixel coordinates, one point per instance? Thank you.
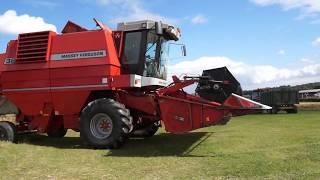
(51, 93)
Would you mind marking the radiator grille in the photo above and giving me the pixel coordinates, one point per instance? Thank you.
(33, 47)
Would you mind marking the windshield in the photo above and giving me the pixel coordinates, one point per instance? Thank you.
(145, 53)
(151, 53)
(164, 58)
(156, 56)
(132, 48)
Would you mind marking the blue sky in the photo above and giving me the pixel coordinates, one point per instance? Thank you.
(263, 42)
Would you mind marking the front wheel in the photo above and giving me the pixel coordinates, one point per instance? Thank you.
(7, 132)
(105, 123)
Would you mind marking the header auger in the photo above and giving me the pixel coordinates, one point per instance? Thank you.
(108, 85)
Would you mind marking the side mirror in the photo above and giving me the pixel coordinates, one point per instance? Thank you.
(179, 50)
(158, 26)
(184, 50)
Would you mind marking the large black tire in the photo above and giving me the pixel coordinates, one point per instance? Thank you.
(105, 123)
(58, 133)
(7, 132)
(146, 132)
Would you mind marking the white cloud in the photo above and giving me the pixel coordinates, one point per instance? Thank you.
(107, 2)
(199, 19)
(136, 12)
(12, 23)
(250, 76)
(282, 52)
(316, 42)
(307, 61)
(307, 7)
(133, 10)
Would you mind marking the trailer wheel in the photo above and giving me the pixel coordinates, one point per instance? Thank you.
(292, 111)
(59, 133)
(7, 132)
(274, 110)
(105, 123)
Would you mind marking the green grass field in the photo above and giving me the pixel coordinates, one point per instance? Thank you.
(283, 146)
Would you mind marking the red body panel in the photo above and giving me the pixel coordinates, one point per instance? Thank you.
(11, 49)
(65, 84)
(23, 101)
(2, 57)
(188, 115)
(145, 104)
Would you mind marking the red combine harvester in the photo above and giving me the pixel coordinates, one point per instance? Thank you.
(107, 85)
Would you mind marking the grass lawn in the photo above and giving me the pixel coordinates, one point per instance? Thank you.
(284, 146)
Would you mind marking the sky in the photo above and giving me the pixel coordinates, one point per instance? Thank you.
(264, 43)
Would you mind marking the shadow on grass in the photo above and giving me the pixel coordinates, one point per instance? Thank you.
(163, 144)
(43, 140)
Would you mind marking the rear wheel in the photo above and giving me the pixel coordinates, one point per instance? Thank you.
(105, 123)
(147, 131)
(7, 132)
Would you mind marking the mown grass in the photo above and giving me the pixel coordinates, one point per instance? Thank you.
(284, 146)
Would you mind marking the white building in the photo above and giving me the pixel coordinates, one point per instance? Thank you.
(310, 93)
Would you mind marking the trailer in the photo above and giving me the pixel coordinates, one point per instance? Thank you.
(280, 99)
(109, 85)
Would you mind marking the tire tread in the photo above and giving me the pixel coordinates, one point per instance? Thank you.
(119, 111)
